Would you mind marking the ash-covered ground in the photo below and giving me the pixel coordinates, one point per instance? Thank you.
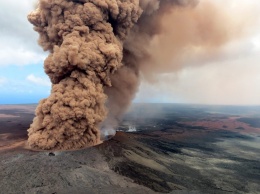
(160, 148)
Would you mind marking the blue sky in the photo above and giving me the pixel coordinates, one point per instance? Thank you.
(234, 78)
(23, 84)
(22, 78)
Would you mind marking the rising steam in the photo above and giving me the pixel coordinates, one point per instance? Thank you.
(98, 51)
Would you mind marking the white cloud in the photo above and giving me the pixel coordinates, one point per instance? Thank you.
(17, 37)
(38, 80)
(2, 81)
(20, 56)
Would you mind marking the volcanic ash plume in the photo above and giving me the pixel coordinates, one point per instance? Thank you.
(85, 42)
(98, 49)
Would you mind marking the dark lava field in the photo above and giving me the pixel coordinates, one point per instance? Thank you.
(159, 148)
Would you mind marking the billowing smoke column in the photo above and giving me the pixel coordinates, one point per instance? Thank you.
(98, 49)
(85, 40)
(136, 55)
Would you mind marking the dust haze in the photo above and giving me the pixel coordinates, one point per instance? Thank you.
(100, 50)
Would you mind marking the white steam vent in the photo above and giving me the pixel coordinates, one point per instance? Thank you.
(107, 133)
(131, 128)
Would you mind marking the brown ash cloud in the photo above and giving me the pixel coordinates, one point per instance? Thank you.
(98, 52)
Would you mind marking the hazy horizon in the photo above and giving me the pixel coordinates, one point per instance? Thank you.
(171, 103)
